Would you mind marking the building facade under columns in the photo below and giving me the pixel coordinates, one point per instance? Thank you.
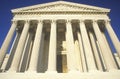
(60, 40)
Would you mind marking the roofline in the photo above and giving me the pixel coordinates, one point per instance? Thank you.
(52, 3)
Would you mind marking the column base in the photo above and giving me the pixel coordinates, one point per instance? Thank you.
(11, 70)
(30, 71)
(1, 70)
(51, 72)
(112, 70)
(94, 71)
(74, 71)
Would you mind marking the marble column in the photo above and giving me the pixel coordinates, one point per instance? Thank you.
(111, 54)
(18, 53)
(46, 51)
(78, 57)
(87, 47)
(26, 52)
(95, 50)
(41, 55)
(70, 47)
(67, 51)
(113, 37)
(36, 47)
(107, 59)
(29, 54)
(52, 48)
(101, 55)
(83, 58)
(7, 41)
(13, 49)
(11, 53)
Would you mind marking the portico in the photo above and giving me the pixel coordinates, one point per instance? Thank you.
(69, 29)
(57, 41)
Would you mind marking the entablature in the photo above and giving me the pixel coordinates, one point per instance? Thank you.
(61, 16)
(59, 12)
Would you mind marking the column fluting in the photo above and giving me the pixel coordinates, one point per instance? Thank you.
(36, 47)
(87, 47)
(107, 59)
(52, 48)
(113, 37)
(95, 50)
(18, 53)
(13, 49)
(70, 47)
(7, 41)
(83, 58)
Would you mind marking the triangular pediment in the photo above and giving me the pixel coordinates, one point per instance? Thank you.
(61, 6)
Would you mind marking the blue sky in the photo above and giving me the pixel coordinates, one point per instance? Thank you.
(7, 5)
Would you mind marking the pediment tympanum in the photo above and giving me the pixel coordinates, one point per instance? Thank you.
(60, 6)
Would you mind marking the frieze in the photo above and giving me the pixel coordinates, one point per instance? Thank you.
(61, 12)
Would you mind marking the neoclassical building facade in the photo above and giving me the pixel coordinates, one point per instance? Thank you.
(60, 40)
